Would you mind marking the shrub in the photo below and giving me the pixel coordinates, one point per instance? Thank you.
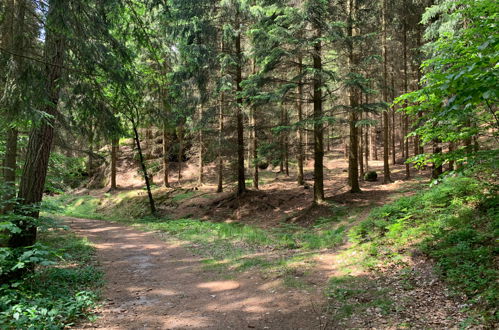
(454, 222)
(371, 176)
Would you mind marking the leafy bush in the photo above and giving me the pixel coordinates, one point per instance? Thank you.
(48, 285)
(371, 176)
(60, 291)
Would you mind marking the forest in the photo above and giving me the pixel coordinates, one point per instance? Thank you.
(234, 164)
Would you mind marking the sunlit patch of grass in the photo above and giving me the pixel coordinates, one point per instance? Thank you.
(454, 223)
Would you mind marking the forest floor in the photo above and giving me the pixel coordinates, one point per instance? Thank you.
(159, 280)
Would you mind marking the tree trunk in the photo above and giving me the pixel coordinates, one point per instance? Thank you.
(318, 126)
(437, 170)
(361, 151)
(220, 143)
(353, 155)
(286, 143)
(452, 147)
(13, 40)
(241, 184)
(299, 108)
(394, 125)
(201, 150)
(144, 169)
(40, 140)
(10, 163)
(386, 165)
(114, 156)
(405, 116)
(180, 136)
(166, 155)
(254, 147)
(366, 148)
(281, 142)
(90, 161)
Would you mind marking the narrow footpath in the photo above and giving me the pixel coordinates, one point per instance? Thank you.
(153, 284)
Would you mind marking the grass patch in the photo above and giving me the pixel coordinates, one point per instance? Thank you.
(56, 296)
(350, 295)
(455, 222)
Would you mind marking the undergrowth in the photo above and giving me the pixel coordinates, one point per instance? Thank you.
(57, 295)
(455, 222)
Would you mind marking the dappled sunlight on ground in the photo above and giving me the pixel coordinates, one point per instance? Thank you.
(152, 284)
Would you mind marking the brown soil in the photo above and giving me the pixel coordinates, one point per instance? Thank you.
(152, 284)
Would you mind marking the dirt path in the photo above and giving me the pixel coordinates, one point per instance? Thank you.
(152, 284)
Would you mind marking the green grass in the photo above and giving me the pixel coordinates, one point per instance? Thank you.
(350, 295)
(456, 223)
(55, 296)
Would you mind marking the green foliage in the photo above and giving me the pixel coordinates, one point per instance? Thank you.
(64, 172)
(59, 292)
(456, 222)
(459, 92)
(371, 176)
(350, 294)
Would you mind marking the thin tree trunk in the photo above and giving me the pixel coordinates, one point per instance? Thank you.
(353, 159)
(318, 126)
(406, 116)
(394, 125)
(90, 161)
(220, 143)
(13, 40)
(437, 170)
(40, 141)
(299, 106)
(114, 156)
(152, 205)
(281, 142)
(286, 144)
(361, 151)
(180, 136)
(386, 165)
(166, 155)
(452, 147)
(254, 147)
(241, 184)
(201, 150)
(366, 138)
(10, 162)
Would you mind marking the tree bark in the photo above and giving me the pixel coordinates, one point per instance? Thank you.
(152, 205)
(166, 155)
(14, 41)
(40, 140)
(241, 181)
(384, 48)
(299, 132)
(220, 143)
(180, 136)
(405, 116)
(254, 148)
(318, 126)
(201, 150)
(286, 143)
(394, 124)
(353, 155)
(114, 156)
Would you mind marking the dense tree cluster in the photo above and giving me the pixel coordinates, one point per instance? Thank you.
(244, 84)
